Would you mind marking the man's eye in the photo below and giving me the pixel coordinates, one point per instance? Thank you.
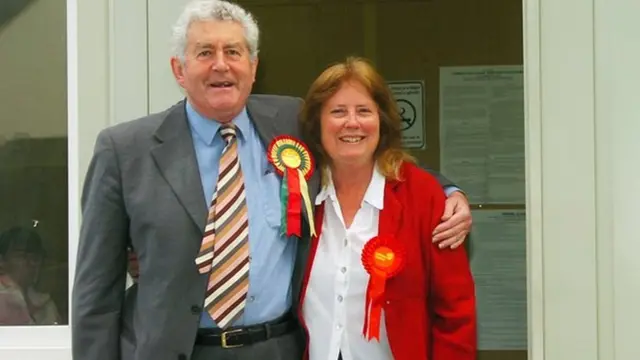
(233, 52)
(204, 53)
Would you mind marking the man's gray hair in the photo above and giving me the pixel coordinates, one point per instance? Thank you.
(202, 10)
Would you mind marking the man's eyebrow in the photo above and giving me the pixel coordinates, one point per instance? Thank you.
(234, 44)
(237, 44)
(204, 46)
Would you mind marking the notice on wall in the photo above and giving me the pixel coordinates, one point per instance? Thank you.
(410, 98)
(499, 266)
(482, 132)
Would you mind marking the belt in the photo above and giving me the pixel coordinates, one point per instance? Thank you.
(242, 336)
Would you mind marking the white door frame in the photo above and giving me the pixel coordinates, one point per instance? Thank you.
(561, 190)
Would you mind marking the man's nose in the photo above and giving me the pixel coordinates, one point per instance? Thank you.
(219, 62)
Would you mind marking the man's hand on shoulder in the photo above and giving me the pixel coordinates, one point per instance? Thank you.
(456, 221)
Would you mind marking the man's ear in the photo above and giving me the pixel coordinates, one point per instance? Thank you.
(177, 69)
(254, 68)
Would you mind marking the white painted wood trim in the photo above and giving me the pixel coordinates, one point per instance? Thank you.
(533, 173)
(561, 179)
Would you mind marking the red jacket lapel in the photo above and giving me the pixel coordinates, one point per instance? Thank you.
(391, 214)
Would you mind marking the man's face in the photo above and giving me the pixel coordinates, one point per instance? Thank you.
(218, 72)
(22, 266)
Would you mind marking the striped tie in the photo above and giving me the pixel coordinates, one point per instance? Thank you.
(224, 252)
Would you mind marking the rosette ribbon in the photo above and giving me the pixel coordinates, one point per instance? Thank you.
(292, 160)
(382, 257)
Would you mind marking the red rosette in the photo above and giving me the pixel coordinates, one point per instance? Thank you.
(383, 257)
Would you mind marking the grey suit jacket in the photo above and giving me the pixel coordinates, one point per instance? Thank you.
(143, 189)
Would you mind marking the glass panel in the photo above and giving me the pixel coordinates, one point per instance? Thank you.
(33, 163)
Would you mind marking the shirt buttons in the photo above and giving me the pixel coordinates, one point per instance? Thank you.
(251, 299)
(343, 269)
(345, 242)
(339, 298)
(339, 327)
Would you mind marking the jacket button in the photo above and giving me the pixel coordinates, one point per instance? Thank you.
(182, 357)
(196, 310)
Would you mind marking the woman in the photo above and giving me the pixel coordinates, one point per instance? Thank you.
(376, 287)
(21, 254)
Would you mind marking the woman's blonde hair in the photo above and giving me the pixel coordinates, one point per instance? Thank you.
(389, 154)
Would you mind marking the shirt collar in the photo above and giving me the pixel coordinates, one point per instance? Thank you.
(374, 195)
(206, 129)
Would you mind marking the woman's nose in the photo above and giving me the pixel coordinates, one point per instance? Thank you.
(352, 120)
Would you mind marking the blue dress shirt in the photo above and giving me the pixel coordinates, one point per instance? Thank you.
(271, 255)
(448, 190)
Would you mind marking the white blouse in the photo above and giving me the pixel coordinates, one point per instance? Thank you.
(334, 304)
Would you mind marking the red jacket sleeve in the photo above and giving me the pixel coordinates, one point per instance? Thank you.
(452, 297)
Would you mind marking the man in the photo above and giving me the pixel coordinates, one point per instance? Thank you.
(163, 185)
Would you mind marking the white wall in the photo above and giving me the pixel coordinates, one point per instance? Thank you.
(583, 118)
(617, 107)
(163, 90)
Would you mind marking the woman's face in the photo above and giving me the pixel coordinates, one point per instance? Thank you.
(22, 266)
(350, 126)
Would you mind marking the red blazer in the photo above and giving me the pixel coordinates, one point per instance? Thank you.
(430, 310)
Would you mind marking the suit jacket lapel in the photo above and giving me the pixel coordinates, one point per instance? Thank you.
(263, 117)
(175, 157)
(390, 219)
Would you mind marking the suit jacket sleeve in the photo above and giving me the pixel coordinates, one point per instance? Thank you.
(453, 305)
(444, 182)
(100, 276)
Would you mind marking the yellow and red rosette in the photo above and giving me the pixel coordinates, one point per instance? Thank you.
(292, 160)
(382, 257)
